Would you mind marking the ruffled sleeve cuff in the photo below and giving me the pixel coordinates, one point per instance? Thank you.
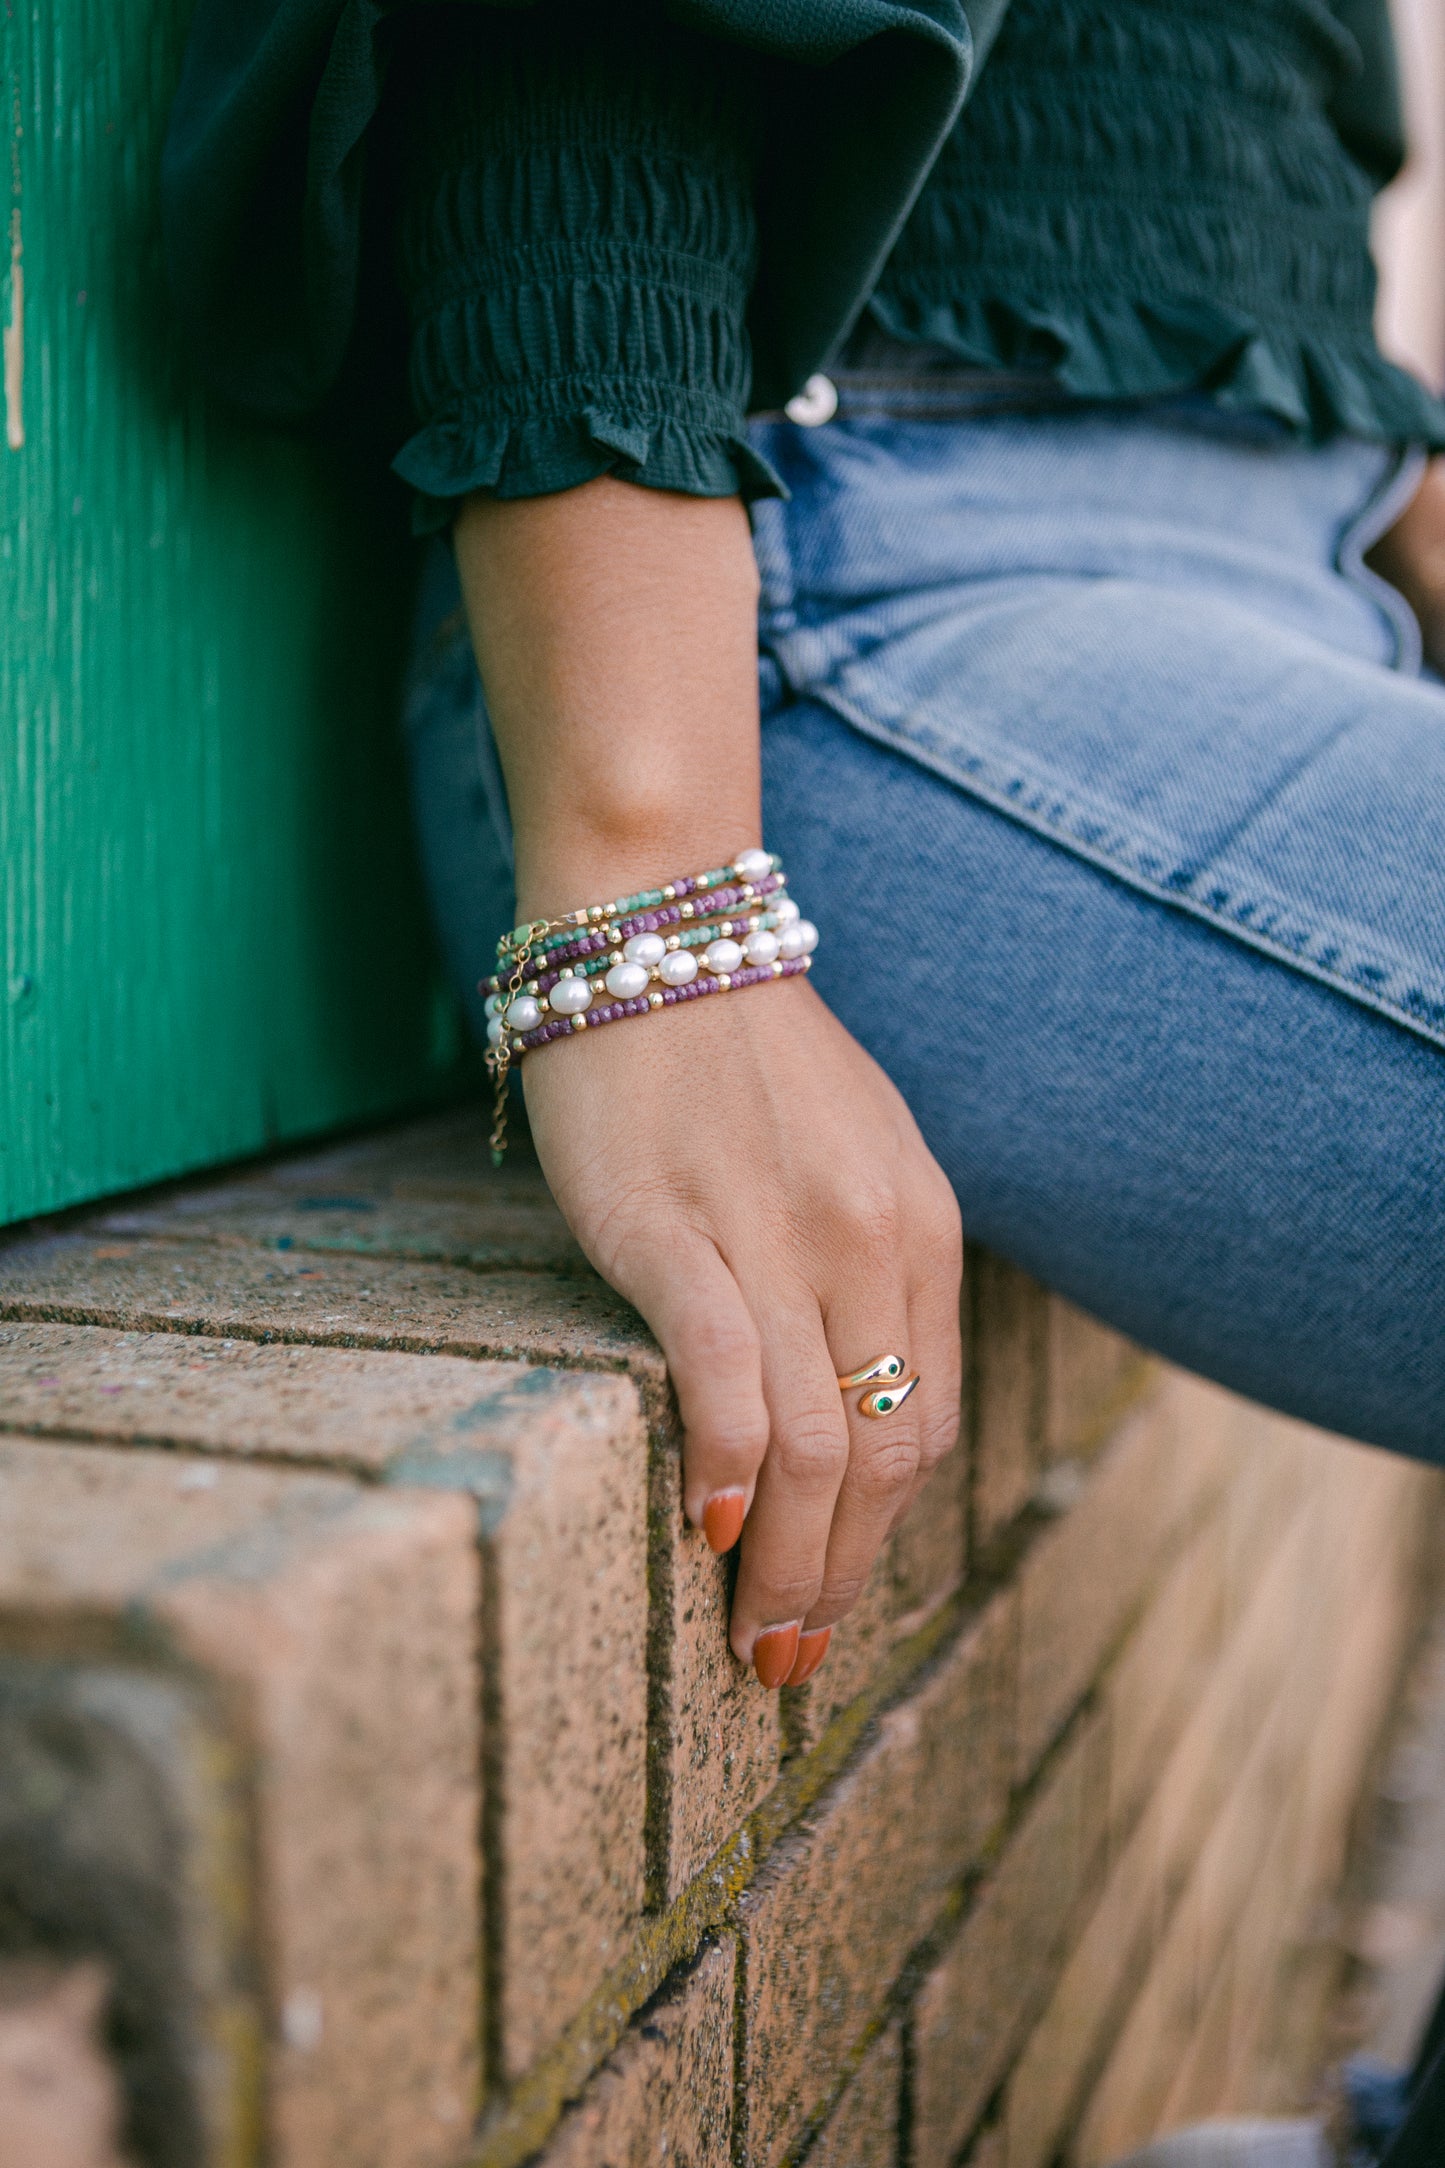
(577, 245)
(475, 444)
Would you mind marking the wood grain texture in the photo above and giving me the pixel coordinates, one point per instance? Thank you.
(213, 930)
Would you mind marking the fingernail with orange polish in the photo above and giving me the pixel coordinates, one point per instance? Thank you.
(812, 1648)
(773, 1653)
(723, 1517)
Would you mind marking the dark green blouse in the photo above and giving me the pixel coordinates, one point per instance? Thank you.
(613, 226)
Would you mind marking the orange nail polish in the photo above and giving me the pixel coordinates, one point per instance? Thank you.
(812, 1648)
(773, 1653)
(723, 1517)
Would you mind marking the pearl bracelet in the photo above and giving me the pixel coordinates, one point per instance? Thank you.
(612, 1012)
(543, 986)
(653, 948)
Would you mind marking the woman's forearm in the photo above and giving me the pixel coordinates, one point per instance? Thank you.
(615, 628)
(616, 631)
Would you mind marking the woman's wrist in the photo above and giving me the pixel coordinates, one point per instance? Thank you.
(570, 860)
(615, 629)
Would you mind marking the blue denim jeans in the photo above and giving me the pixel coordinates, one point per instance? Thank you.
(1109, 774)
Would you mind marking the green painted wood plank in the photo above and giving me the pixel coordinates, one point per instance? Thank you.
(213, 935)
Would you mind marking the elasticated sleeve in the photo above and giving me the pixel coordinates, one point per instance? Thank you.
(576, 242)
(264, 182)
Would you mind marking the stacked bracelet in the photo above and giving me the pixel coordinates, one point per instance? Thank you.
(643, 948)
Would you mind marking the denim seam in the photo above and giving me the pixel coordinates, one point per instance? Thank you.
(1241, 909)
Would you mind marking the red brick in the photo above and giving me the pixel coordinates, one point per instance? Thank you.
(919, 1567)
(862, 2130)
(1007, 1344)
(1092, 1372)
(977, 2003)
(341, 1406)
(720, 1730)
(558, 1460)
(339, 1627)
(846, 1897)
(928, 1554)
(1162, 1667)
(664, 2099)
(427, 1191)
(332, 1300)
(1084, 1576)
(1111, 1954)
(990, 2149)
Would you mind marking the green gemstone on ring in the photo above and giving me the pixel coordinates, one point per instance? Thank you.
(883, 1403)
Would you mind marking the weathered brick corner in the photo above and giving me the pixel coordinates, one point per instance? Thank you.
(365, 1708)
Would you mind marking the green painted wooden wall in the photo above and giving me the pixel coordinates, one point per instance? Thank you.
(213, 931)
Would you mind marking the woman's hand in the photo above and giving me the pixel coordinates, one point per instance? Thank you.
(738, 1168)
(748, 1177)
(1411, 556)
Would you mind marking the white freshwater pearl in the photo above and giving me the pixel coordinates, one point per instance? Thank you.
(752, 865)
(569, 997)
(785, 911)
(815, 404)
(644, 948)
(627, 980)
(494, 1032)
(525, 1014)
(799, 939)
(492, 1003)
(722, 956)
(760, 948)
(678, 968)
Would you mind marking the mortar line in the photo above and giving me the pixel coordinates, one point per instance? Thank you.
(708, 1903)
(660, 1505)
(491, 1816)
(954, 1910)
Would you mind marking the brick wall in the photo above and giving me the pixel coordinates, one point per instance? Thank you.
(339, 1501)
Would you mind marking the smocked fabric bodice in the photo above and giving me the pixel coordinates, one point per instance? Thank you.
(1149, 195)
(1143, 197)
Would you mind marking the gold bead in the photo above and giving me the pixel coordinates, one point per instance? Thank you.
(673, 941)
(654, 1001)
(686, 911)
(777, 971)
(724, 980)
(597, 911)
(669, 894)
(579, 1023)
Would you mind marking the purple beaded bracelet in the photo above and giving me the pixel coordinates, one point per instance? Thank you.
(719, 903)
(534, 961)
(612, 1012)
